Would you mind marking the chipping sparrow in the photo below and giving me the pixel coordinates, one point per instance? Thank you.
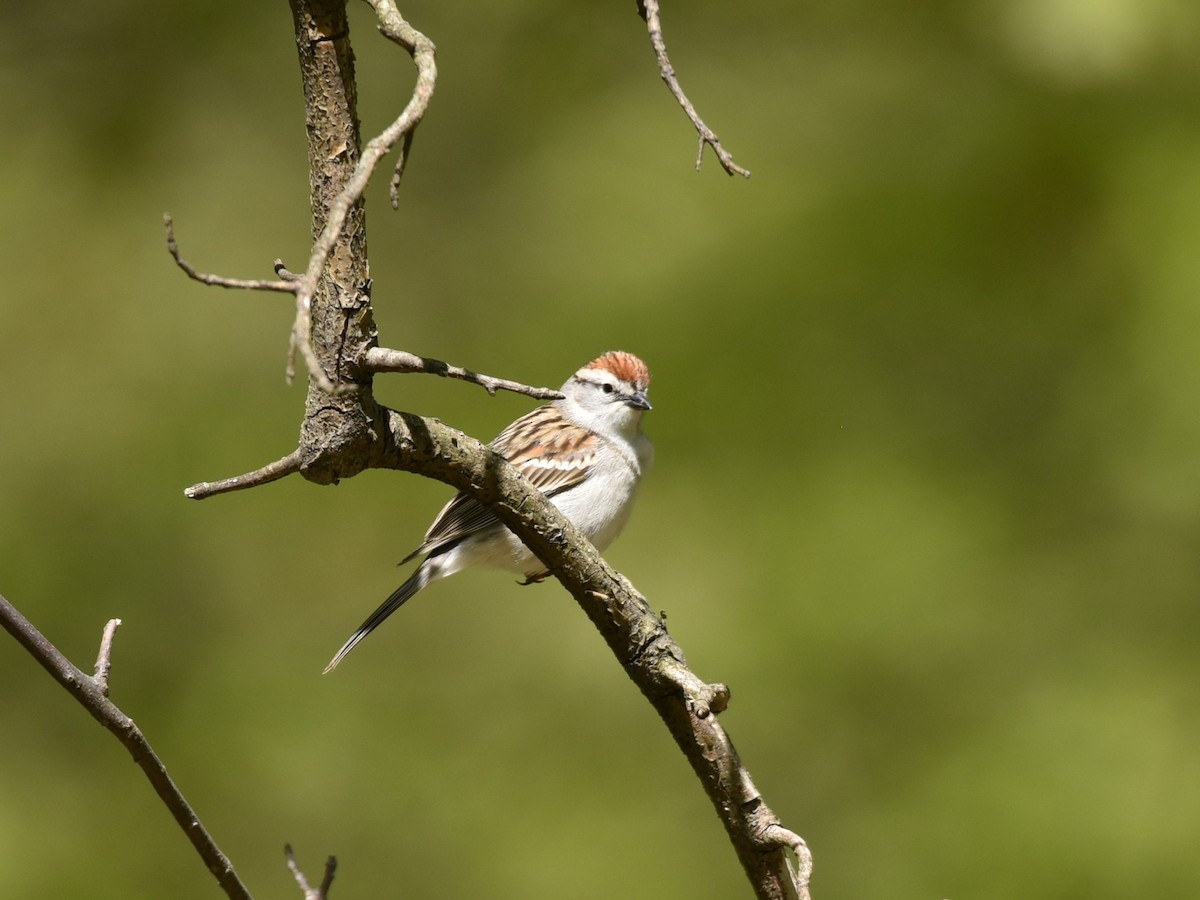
(586, 451)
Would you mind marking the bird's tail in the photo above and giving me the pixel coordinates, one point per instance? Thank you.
(419, 579)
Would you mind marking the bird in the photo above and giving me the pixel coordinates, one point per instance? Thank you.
(585, 451)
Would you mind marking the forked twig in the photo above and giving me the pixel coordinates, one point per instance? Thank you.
(648, 10)
(321, 892)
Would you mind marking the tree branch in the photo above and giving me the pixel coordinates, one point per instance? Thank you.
(92, 695)
(381, 359)
(635, 634)
(268, 473)
(648, 10)
(247, 284)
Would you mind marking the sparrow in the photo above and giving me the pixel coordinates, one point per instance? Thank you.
(586, 452)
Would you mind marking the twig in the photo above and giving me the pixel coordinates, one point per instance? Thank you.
(801, 875)
(381, 359)
(247, 284)
(393, 26)
(648, 10)
(401, 162)
(104, 659)
(298, 286)
(310, 893)
(268, 473)
(88, 692)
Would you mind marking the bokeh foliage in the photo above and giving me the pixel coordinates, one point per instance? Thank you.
(926, 416)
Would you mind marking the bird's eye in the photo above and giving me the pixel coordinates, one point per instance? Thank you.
(607, 388)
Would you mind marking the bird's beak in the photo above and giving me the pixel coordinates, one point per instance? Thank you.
(638, 400)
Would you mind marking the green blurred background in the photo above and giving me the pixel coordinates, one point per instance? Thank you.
(927, 493)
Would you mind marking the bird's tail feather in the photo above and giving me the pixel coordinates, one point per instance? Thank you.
(419, 579)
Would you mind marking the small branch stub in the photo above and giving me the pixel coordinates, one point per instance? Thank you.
(268, 473)
(104, 658)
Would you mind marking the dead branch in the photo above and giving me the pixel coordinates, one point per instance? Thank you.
(648, 10)
(393, 26)
(381, 359)
(92, 695)
(636, 635)
(246, 284)
(270, 472)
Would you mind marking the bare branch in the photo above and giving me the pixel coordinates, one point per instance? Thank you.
(321, 892)
(381, 359)
(268, 473)
(637, 637)
(248, 284)
(648, 10)
(89, 693)
(104, 658)
(394, 27)
(301, 331)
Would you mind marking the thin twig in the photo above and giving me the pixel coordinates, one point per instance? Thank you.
(302, 289)
(88, 692)
(401, 162)
(104, 658)
(247, 284)
(801, 875)
(648, 10)
(301, 335)
(381, 359)
(310, 893)
(268, 473)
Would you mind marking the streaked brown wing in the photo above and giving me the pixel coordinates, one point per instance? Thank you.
(551, 452)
